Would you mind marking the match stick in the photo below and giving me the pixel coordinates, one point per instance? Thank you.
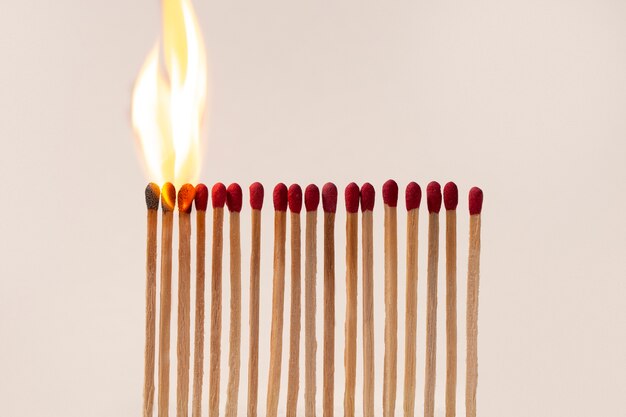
(201, 200)
(433, 198)
(276, 337)
(368, 195)
(311, 202)
(256, 203)
(413, 196)
(153, 194)
(295, 206)
(390, 199)
(352, 196)
(234, 202)
(168, 200)
(473, 278)
(329, 204)
(450, 201)
(218, 199)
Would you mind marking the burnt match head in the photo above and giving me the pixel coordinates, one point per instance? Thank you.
(311, 197)
(186, 195)
(390, 193)
(352, 194)
(256, 196)
(234, 197)
(294, 195)
(168, 197)
(433, 197)
(329, 197)
(475, 200)
(368, 196)
(450, 196)
(153, 194)
(280, 197)
(413, 196)
(218, 195)
(202, 197)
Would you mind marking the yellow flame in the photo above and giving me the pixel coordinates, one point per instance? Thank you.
(168, 103)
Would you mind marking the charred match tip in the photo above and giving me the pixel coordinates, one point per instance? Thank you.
(218, 195)
(413, 196)
(390, 193)
(202, 197)
(234, 197)
(311, 197)
(352, 195)
(475, 200)
(153, 194)
(450, 196)
(294, 196)
(433, 197)
(168, 197)
(256, 196)
(186, 195)
(368, 196)
(329, 197)
(280, 197)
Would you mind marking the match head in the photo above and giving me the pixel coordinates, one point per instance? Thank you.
(218, 195)
(329, 197)
(202, 197)
(352, 194)
(153, 195)
(256, 196)
(311, 197)
(475, 200)
(413, 196)
(433, 197)
(450, 196)
(368, 196)
(280, 197)
(294, 195)
(168, 197)
(390, 193)
(234, 197)
(186, 195)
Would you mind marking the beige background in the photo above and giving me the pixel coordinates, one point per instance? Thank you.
(524, 98)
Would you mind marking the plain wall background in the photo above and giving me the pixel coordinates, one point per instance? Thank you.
(524, 98)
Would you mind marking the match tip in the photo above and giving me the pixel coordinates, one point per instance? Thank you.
(433, 197)
(294, 195)
(186, 194)
(352, 194)
(475, 200)
(234, 197)
(390, 193)
(153, 194)
(368, 196)
(280, 197)
(218, 195)
(413, 196)
(311, 197)
(450, 196)
(329, 197)
(256, 196)
(202, 197)
(168, 197)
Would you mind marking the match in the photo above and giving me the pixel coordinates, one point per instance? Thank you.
(311, 202)
(390, 200)
(329, 204)
(450, 201)
(368, 196)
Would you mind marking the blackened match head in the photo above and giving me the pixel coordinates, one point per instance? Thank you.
(168, 197)
(450, 196)
(311, 197)
(153, 195)
(433, 197)
(234, 197)
(280, 197)
(256, 196)
(413, 196)
(202, 197)
(475, 200)
(329, 197)
(294, 195)
(368, 196)
(218, 195)
(186, 194)
(390, 193)
(352, 194)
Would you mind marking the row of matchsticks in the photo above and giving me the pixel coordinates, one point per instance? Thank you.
(291, 199)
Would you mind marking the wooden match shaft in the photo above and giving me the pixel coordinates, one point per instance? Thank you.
(294, 337)
(473, 278)
(411, 312)
(368, 314)
(151, 254)
(182, 349)
(431, 315)
(232, 394)
(451, 333)
(310, 343)
(391, 311)
(198, 350)
(351, 311)
(216, 311)
(329, 315)
(253, 359)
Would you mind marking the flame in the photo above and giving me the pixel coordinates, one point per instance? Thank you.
(168, 101)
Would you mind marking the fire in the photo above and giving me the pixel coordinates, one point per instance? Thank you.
(168, 100)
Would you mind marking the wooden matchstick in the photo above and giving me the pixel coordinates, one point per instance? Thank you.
(153, 194)
(311, 202)
(168, 200)
(390, 199)
(368, 195)
(473, 278)
(329, 204)
(278, 302)
(450, 201)
(256, 203)
(201, 200)
(433, 198)
(413, 197)
(234, 202)
(293, 381)
(218, 199)
(352, 196)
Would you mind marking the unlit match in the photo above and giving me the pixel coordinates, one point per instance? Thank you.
(450, 201)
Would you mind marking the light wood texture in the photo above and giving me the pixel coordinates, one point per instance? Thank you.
(293, 383)
(165, 312)
(328, 393)
(216, 311)
(410, 331)
(391, 311)
(431, 315)
(232, 394)
(151, 259)
(352, 247)
(451, 340)
(368, 314)
(473, 279)
(310, 342)
(253, 358)
(198, 349)
(182, 348)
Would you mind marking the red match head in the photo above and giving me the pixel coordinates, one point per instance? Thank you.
(186, 195)
(234, 197)
(329, 197)
(256, 196)
(433, 197)
(475, 200)
(352, 194)
(368, 196)
(390, 193)
(413, 196)
(280, 197)
(450, 196)
(311, 197)
(218, 195)
(202, 197)
(168, 197)
(153, 195)
(294, 195)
